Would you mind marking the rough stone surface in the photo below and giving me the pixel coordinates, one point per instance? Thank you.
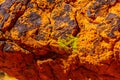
(60, 39)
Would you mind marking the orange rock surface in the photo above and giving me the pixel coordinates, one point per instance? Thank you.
(60, 39)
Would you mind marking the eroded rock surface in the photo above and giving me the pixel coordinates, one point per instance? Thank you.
(60, 39)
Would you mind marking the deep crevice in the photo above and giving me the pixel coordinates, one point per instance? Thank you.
(77, 27)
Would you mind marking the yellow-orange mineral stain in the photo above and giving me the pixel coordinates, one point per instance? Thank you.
(2, 1)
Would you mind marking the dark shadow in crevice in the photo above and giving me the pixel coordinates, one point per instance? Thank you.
(77, 27)
(51, 55)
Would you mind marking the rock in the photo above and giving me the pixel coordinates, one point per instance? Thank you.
(60, 39)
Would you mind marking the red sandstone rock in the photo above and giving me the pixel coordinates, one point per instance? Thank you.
(60, 39)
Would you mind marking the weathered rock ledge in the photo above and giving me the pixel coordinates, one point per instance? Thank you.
(60, 39)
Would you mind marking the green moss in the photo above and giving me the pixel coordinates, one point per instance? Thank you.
(69, 43)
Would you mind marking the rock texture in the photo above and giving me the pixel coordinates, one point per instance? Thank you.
(60, 39)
